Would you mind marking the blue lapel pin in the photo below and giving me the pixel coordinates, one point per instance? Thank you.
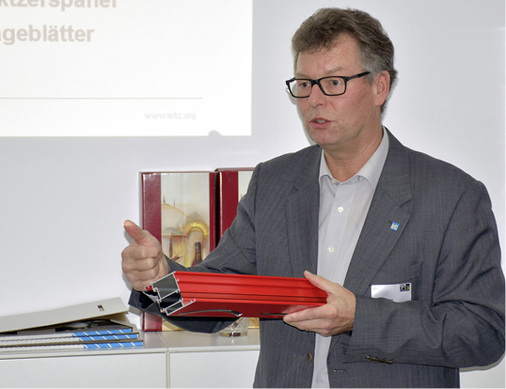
(394, 226)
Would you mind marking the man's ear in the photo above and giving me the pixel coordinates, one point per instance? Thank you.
(382, 87)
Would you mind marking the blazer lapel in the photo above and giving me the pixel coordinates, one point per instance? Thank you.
(385, 221)
(302, 216)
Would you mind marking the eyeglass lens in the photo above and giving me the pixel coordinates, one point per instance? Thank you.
(329, 86)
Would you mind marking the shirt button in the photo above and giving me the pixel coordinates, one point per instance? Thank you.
(340, 209)
(331, 249)
(309, 357)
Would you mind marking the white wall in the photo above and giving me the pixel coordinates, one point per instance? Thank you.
(63, 200)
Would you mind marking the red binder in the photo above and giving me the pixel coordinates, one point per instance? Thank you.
(156, 202)
(231, 295)
(232, 184)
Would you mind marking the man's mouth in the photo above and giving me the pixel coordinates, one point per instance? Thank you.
(319, 121)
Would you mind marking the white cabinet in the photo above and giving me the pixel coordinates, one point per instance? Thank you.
(177, 359)
(213, 369)
(204, 361)
(167, 359)
(98, 370)
(48, 368)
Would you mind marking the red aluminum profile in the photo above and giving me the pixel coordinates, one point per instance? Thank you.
(238, 308)
(233, 295)
(246, 284)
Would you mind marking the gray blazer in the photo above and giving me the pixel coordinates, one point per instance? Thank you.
(446, 246)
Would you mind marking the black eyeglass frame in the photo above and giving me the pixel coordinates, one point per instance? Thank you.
(317, 82)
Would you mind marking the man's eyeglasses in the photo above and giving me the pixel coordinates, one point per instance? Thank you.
(330, 86)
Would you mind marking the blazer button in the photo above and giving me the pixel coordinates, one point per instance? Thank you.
(309, 357)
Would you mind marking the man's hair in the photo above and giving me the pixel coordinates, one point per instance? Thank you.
(325, 26)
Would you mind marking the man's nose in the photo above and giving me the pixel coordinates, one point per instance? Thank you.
(317, 96)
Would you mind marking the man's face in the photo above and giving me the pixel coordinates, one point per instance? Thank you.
(344, 123)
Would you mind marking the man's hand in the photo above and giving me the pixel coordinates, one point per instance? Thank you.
(335, 317)
(142, 260)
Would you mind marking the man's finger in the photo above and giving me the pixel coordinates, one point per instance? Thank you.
(302, 315)
(319, 282)
(139, 260)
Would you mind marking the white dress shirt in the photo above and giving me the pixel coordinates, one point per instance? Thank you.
(343, 209)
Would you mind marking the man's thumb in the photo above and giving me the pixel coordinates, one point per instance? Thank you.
(135, 232)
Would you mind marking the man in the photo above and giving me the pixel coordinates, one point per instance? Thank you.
(405, 246)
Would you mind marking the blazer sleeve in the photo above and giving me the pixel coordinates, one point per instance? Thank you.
(462, 323)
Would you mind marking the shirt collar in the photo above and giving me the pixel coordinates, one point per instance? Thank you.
(371, 171)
